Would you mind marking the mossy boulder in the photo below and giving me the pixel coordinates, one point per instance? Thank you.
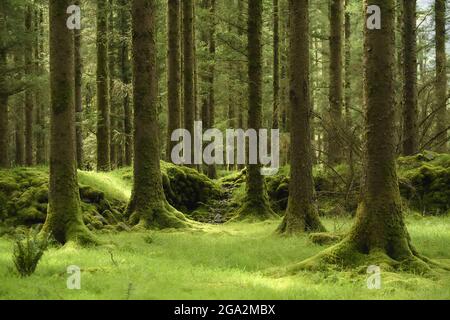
(185, 188)
(425, 182)
(24, 200)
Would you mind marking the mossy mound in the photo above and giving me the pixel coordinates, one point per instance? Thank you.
(425, 182)
(24, 201)
(185, 188)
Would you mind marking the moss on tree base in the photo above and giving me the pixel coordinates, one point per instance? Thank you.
(161, 216)
(255, 209)
(345, 255)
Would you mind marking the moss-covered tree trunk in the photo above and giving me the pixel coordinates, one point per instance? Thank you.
(103, 106)
(301, 214)
(4, 145)
(336, 81)
(276, 65)
(379, 235)
(64, 218)
(212, 172)
(148, 205)
(441, 77)
(41, 109)
(256, 204)
(125, 74)
(19, 135)
(173, 74)
(78, 96)
(410, 126)
(188, 69)
(29, 102)
(114, 147)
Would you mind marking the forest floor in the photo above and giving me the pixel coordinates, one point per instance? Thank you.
(231, 261)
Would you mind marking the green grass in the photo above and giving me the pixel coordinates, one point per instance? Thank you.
(234, 261)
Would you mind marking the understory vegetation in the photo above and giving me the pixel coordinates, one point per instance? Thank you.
(229, 261)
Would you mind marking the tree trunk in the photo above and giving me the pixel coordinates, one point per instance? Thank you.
(256, 204)
(410, 128)
(103, 107)
(41, 154)
(336, 81)
(114, 148)
(126, 79)
(78, 96)
(173, 74)
(379, 235)
(301, 214)
(212, 172)
(188, 70)
(4, 145)
(148, 205)
(64, 218)
(441, 78)
(29, 103)
(276, 65)
(19, 132)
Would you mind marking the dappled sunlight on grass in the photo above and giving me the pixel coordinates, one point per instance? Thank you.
(231, 261)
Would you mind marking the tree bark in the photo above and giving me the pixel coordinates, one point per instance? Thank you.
(103, 106)
(78, 96)
(173, 74)
(441, 77)
(4, 131)
(29, 103)
(41, 111)
(212, 172)
(336, 81)
(114, 148)
(276, 65)
(148, 206)
(256, 204)
(188, 70)
(379, 235)
(410, 128)
(301, 214)
(125, 68)
(64, 218)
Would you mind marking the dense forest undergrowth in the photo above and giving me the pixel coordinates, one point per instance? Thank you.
(424, 185)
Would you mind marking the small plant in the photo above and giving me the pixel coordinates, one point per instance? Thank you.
(27, 253)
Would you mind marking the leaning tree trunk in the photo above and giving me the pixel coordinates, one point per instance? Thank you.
(379, 236)
(410, 128)
(256, 204)
(78, 97)
(188, 70)
(336, 81)
(173, 74)
(103, 107)
(301, 214)
(29, 103)
(441, 78)
(148, 205)
(64, 217)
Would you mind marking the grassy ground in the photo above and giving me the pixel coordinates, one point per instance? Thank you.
(218, 262)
